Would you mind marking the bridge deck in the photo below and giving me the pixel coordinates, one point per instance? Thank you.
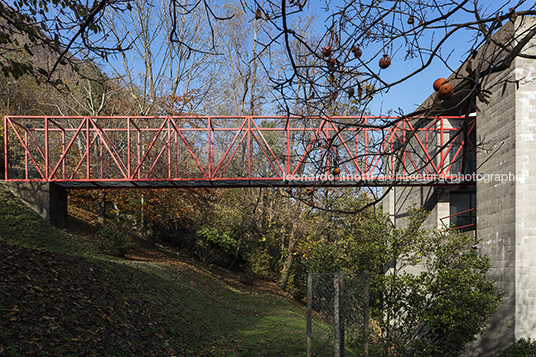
(95, 184)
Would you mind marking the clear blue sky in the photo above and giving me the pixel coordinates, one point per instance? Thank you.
(408, 95)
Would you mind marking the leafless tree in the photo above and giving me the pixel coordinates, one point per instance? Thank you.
(343, 56)
(154, 67)
(71, 30)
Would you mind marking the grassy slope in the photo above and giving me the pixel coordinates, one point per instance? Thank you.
(58, 298)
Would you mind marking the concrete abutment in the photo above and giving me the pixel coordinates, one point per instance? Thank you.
(46, 198)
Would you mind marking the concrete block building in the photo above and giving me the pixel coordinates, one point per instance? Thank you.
(500, 209)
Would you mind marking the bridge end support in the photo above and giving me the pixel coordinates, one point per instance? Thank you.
(47, 199)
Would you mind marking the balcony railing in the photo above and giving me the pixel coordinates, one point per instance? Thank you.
(463, 221)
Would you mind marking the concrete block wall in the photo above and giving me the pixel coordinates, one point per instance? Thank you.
(496, 126)
(506, 209)
(506, 221)
(525, 194)
(433, 199)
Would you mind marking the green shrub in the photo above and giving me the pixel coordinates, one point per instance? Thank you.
(260, 262)
(223, 241)
(437, 290)
(521, 348)
(115, 240)
(214, 247)
(326, 257)
(429, 290)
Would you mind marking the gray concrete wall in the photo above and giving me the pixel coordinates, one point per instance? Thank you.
(506, 221)
(47, 199)
(506, 208)
(496, 127)
(433, 199)
(525, 196)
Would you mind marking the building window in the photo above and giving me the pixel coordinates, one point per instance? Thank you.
(468, 156)
(463, 210)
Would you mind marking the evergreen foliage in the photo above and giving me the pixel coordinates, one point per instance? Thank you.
(429, 289)
(116, 240)
(521, 348)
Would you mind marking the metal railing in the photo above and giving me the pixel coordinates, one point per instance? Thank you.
(201, 151)
(464, 227)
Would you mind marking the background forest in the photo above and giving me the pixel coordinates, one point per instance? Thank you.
(267, 231)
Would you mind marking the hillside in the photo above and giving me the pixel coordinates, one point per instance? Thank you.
(59, 297)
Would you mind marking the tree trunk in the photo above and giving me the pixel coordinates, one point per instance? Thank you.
(101, 211)
(237, 253)
(285, 272)
(142, 220)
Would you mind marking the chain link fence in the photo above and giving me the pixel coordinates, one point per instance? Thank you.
(337, 311)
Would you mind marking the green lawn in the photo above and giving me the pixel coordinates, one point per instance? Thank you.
(58, 297)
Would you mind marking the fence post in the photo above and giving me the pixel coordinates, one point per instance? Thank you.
(336, 316)
(366, 293)
(342, 316)
(309, 329)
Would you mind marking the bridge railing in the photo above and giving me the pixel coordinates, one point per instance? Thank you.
(236, 151)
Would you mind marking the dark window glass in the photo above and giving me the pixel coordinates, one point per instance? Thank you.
(462, 210)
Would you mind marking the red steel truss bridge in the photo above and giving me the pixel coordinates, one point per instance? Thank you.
(238, 151)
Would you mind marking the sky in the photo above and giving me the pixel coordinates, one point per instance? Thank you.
(410, 94)
(407, 96)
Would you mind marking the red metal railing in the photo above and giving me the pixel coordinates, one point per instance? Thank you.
(462, 227)
(234, 151)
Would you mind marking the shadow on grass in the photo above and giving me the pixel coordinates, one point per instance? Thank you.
(55, 299)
